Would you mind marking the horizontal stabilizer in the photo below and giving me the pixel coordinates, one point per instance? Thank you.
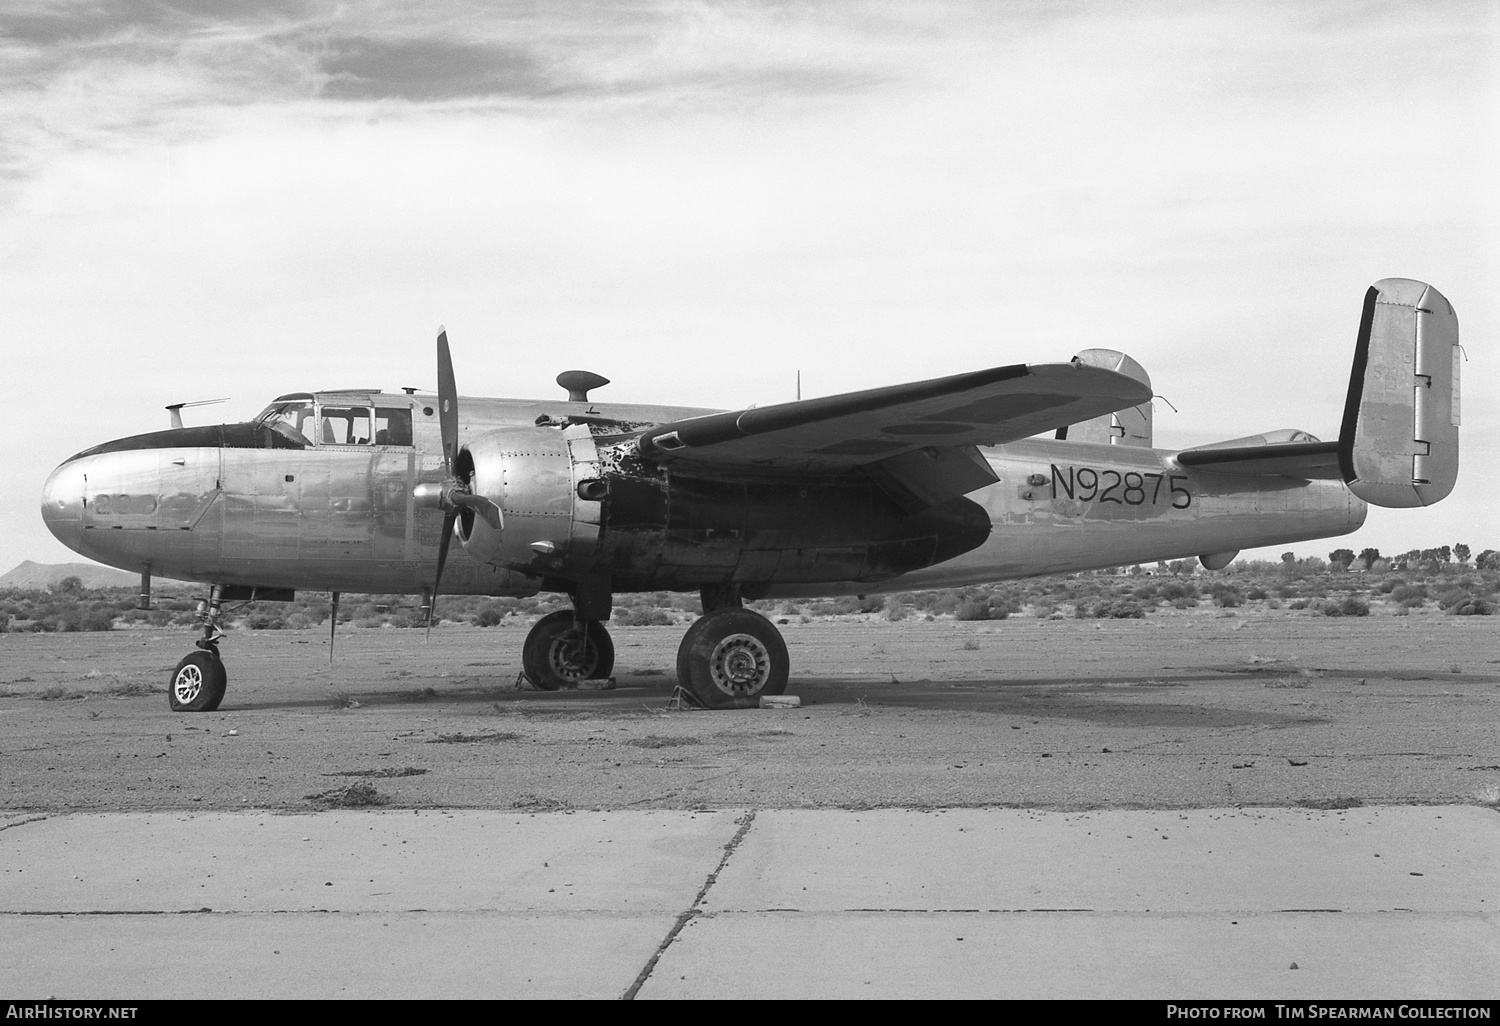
(1310, 460)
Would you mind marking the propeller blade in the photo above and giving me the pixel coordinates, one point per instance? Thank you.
(443, 541)
(447, 403)
(333, 625)
(485, 507)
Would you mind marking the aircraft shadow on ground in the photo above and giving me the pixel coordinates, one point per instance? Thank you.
(1113, 702)
(1116, 703)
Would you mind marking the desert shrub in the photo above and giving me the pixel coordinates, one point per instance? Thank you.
(1353, 606)
(972, 610)
(150, 617)
(488, 614)
(1110, 609)
(1450, 597)
(1404, 593)
(642, 616)
(1472, 607)
(895, 607)
(4, 623)
(1348, 606)
(1256, 594)
(1226, 596)
(1299, 604)
(90, 620)
(260, 621)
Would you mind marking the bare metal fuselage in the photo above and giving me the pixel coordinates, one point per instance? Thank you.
(351, 517)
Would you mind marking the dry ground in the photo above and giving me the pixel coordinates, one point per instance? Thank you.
(1184, 709)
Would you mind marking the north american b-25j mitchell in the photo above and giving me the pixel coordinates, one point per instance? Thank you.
(1003, 473)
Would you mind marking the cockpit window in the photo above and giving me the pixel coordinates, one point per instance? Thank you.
(392, 426)
(291, 419)
(306, 424)
(345, 425)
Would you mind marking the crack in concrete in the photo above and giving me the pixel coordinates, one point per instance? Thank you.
(22, 822)
(693, 910)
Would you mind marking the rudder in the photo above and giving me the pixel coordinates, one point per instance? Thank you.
(1399, 442)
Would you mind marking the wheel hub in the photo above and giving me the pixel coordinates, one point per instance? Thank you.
(740, 664)
(188, 684)
(572, 657)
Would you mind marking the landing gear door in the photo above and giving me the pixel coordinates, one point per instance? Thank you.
(588, 495)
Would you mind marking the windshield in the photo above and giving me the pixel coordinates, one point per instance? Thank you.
(291, 420)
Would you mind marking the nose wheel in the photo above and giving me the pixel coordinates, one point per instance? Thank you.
(730, 657)
(197, 683)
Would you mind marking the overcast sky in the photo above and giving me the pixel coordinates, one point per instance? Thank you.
(697, 200)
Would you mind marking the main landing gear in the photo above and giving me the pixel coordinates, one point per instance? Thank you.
(564, 648)
(198, 681)
(728, 659)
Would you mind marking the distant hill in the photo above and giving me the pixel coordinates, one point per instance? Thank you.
(45, 575)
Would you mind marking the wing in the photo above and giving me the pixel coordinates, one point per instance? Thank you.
(1309, 460)
(858, 428)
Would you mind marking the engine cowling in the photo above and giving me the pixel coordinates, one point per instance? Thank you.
(539, 477)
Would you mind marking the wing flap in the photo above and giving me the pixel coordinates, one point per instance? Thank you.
(986, 407)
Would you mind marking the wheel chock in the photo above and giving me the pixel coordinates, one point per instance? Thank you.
(683, 700)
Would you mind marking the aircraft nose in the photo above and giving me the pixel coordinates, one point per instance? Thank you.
(62, 504)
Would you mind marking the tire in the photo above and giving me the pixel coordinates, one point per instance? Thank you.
(559, 654)
(731, 657)
(197, 684)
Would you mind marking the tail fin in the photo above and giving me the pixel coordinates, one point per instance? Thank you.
(1399, 442)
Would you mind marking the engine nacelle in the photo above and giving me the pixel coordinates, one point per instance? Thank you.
(540, 478)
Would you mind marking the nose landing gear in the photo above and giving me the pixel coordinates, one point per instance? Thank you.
(198, 681)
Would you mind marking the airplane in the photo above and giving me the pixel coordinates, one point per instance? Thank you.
(1009, 472)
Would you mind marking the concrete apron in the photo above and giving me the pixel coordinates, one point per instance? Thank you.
(1378, 902)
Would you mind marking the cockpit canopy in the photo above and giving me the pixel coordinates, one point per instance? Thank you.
(316, 422)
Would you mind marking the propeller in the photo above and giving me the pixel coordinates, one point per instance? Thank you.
(454, 495)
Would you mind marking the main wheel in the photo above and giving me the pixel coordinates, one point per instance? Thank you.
(560, 653)
(730, 657)
(197, 684)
